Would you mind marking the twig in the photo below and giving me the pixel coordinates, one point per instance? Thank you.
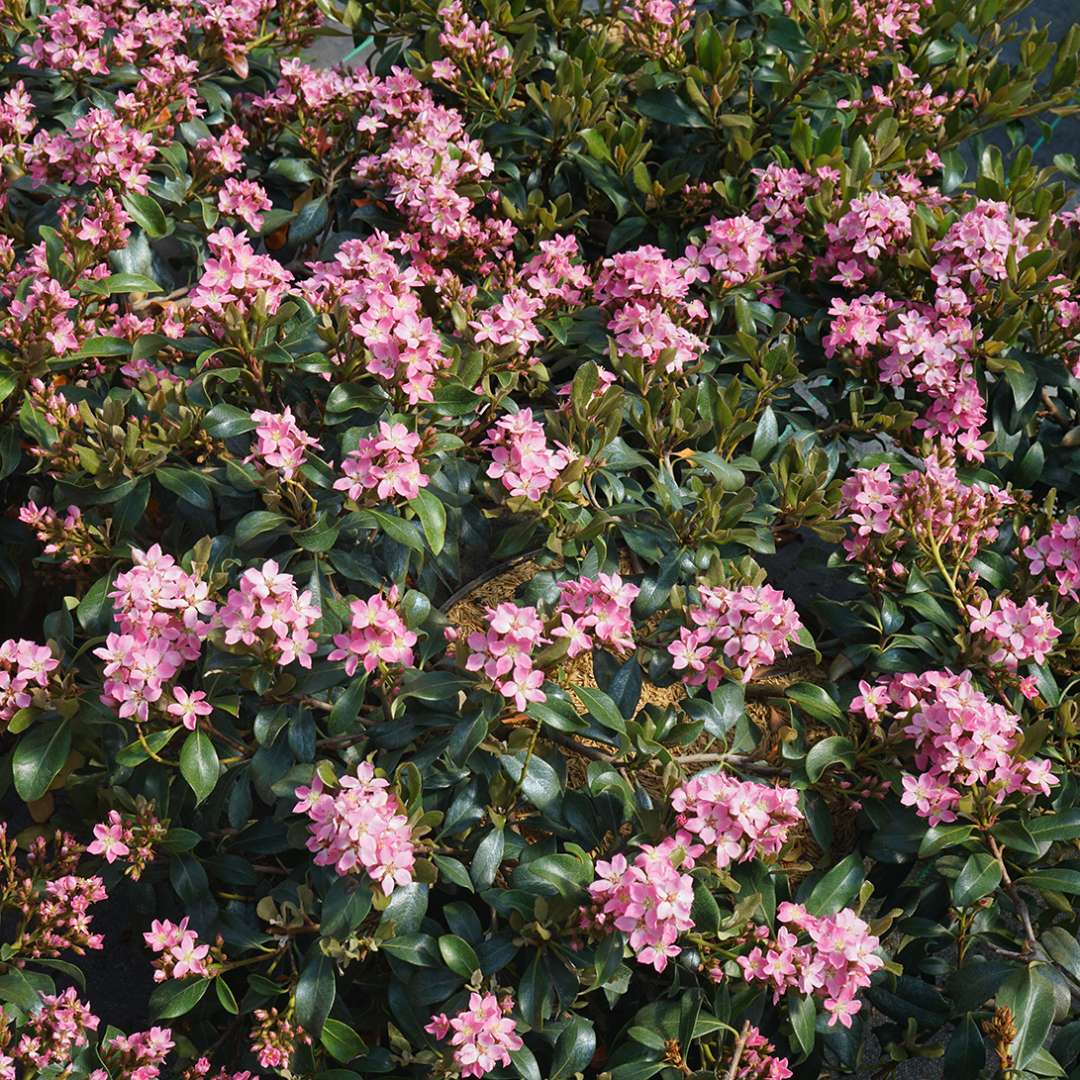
(737, 1051)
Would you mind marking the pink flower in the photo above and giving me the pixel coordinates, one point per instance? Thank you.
(109, 839)
(189, 707)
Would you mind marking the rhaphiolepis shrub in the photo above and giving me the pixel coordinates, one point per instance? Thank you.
(574, 315)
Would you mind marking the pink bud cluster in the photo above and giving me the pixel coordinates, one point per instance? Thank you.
(377, 635)
(521, 457)
(386, 464)
(1016, 632)
(655, 26)
(483, 1037)
(179, 951)
(505, 651)
(469, 46)
(739, 819)
(735, 632)
(913, 103)
(24, 665)
(275, 1037)
(961, 739)
(362, 827)
(51, 898)
(594, 610)
(68, 535)
(834, 961)
(1058, 551)
(280, 442)
(268, 615)
(758, 1060)
(648, 900)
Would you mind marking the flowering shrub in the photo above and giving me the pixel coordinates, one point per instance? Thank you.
(684, 347)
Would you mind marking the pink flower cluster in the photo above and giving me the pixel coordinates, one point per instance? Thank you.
(735, 632)
(179, 951)
(162, 614)
(874, 226)
(975, 250)
(930, 507)
(430, 170)
(781, 202)
(377, 635)
(98, 148)
(510, 322)
(877, 26)
(385, 463)
(484, 1035)
(504, 652)
(381, 306)
(234, 278)
(645, 295)
(274, 1039)
(961, 738)
(244, 199)
(596, 609)
(521, 457)
(1058, 551)
(1017, 632)
(739, 819)
(131, 837)
(280, 442)
(135, 1057)
(269, 615)
(648, 899)
(929, 348)
(553, 275)
(52, 1034)
(24, 665)
(363, 827)
(202, 1069)
(734, 249)
(835, 963)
